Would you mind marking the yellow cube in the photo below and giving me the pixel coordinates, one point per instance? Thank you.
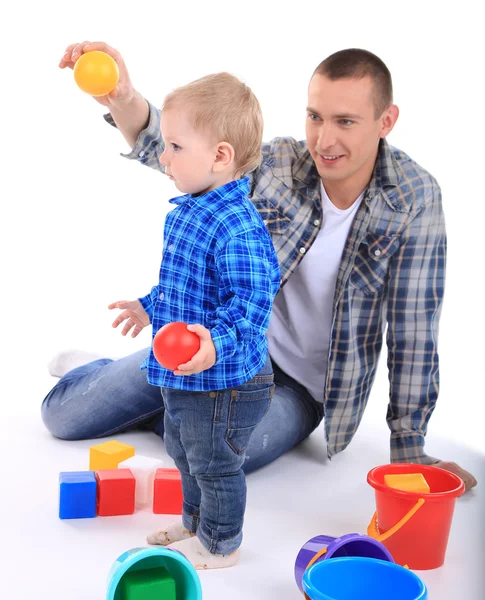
(108, 455)
(408, 482)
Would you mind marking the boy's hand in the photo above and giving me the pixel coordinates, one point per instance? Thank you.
(124, 91)
(205, 357)
(133, 313)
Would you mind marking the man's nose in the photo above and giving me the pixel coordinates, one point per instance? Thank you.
(326, 137)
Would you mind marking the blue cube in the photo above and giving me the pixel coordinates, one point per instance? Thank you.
(77, 495)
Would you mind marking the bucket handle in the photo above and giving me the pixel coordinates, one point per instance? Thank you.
(373, 529)
(314, 559)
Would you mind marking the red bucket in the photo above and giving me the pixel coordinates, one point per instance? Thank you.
(414, 527)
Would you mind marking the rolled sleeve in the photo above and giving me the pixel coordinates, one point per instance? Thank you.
(409, 448)
(149, 144)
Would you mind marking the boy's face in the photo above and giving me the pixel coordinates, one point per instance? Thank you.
(342, 130)
(188, 156)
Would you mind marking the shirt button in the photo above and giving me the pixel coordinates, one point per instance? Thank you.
(265, 221)
(141, 154)
(316, 222)
(302, 250)
(162, 296)
(377, 252)
(170, 248)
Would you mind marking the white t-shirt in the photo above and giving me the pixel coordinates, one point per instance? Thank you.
(301, 320)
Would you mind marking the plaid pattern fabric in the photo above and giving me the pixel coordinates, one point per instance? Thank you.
(392, 274)
(219, 269)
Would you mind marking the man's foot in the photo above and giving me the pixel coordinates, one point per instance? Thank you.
(175, 532)
(67, 360)
(201, 558)
(468, 479)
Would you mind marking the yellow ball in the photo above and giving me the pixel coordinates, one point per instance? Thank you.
(96, 73)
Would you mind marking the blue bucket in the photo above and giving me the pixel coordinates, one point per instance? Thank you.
(353, 577)
(187, 582)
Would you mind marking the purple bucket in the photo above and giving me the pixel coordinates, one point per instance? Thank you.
(352, 544)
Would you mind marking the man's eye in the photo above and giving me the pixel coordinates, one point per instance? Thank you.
(313, 117)
(346, 122)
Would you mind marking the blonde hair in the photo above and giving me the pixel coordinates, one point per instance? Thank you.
(225, 108)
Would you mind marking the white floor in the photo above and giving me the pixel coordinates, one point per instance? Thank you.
(299, 496)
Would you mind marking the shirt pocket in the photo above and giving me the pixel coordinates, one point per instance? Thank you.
(272, 199)
(275, 221)
(369, 273)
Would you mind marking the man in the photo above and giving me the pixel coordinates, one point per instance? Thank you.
(360, 236)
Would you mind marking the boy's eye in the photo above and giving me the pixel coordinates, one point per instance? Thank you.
(175, 148)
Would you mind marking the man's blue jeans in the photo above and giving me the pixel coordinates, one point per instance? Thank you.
(206, 434)
(106, 397)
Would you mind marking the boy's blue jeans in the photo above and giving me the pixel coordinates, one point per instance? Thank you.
(106, 397)
(206, 434)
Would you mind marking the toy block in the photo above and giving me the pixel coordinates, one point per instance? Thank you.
(77, 495)
(108, 455)
(143, 469)
(147, 584)
(116, 492)
(167, 492)
(408, 482)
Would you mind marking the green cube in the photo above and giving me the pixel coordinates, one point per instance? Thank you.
(148, 584)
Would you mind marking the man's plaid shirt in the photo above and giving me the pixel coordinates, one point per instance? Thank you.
(392, 273)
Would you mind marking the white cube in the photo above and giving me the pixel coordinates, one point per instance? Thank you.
(143, 469)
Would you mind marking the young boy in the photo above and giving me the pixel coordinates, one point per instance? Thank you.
(220, 274)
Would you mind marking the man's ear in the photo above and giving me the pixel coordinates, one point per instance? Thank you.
(224, 157)
(389, 118)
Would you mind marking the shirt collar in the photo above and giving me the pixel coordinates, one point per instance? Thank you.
(226, 192)
(386, 170)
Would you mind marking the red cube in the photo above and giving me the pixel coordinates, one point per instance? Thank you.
(167, 492)
(116, 492)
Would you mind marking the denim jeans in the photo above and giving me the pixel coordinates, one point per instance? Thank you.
(206, 434)
(106, 397)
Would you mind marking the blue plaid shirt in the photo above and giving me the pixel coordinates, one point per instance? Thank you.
(391, 276)
(219, 269)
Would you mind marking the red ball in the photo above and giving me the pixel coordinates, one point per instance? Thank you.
(174, 345)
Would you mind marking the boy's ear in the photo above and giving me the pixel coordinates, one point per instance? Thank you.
(224, 156)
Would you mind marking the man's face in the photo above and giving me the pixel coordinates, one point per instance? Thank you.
(342, 130)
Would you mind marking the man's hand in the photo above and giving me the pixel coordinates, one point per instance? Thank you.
(128, 108)
(133, 313)
(124, 92)
(469, 480)
(205, 357)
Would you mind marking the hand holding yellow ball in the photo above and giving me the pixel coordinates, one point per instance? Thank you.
(96, 73)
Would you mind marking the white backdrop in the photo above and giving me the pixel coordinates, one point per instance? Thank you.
(81, 226)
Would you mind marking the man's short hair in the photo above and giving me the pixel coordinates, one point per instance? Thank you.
(356, 63)
(224, 108)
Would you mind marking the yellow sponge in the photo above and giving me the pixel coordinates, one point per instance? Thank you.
(408, 482)
(108, 455)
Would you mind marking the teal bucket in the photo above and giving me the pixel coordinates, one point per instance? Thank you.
(187, 582)
(354, 577)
